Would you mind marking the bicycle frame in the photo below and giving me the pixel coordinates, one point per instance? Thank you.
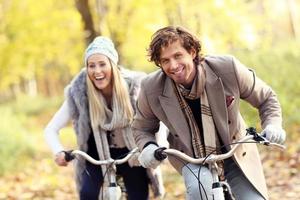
(218, 187)
(114, 191)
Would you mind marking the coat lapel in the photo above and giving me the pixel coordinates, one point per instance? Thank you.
(174, 113)
(216, 98)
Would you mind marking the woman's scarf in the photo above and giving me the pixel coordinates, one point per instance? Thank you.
(112, 122)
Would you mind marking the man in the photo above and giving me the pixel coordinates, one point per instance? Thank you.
(197, 98)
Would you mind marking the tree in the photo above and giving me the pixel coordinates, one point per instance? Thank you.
(39, 50)
(86, 15)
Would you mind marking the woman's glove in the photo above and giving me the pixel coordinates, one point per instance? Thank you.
(133, 160)
(274, 134)
(147, 158)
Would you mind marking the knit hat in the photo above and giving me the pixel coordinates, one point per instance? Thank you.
(102, 45)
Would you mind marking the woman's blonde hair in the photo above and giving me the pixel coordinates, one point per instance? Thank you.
(121, 105)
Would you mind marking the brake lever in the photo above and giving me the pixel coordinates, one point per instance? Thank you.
(262, 140)
(256, 136)
(278, 146)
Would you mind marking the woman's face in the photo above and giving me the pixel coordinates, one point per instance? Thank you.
(99, 70)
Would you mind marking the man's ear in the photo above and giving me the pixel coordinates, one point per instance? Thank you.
(193, 53)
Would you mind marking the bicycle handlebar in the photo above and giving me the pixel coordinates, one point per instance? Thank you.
(70, 155)
(162, 153)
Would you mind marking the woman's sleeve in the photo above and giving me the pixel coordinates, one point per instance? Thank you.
(59, 120)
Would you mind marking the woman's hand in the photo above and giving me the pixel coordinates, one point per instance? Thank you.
(60, 159)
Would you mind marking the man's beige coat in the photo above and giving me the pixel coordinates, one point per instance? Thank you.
(226, 77)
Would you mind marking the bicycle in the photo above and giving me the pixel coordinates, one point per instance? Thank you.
(220, 189)
(114, 190)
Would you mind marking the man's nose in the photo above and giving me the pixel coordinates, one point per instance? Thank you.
(173, 64)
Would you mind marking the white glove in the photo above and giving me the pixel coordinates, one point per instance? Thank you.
(274, 134)
(147, 159)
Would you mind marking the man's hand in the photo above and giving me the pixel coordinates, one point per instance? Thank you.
(274, 134)
(133, 161)
(147, 158)
(60, 159)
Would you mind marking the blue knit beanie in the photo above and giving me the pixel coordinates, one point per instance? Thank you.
(102, 45)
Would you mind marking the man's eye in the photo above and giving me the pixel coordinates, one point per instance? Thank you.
(164, 62)
(91, 66)
(178, 56)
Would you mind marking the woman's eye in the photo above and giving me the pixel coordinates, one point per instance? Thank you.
(91, 66)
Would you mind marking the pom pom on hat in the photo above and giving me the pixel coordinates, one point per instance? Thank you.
(102, 45)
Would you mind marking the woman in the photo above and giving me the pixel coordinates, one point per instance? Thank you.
(100, 102)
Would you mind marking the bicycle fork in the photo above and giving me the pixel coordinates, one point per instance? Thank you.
(114, 190)
(217, 188)
(221, 190)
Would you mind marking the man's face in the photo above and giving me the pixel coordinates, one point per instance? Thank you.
(178, 63)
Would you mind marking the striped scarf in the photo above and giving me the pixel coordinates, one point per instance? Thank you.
(209, 133)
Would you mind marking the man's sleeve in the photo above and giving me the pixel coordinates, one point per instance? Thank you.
(258, 94)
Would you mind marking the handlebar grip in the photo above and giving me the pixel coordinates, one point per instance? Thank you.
(256, 136)
(159, 154)
(69, 156)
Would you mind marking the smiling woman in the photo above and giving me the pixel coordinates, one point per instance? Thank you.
(101, 102)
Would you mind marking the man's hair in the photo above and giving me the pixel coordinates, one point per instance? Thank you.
(167, 35)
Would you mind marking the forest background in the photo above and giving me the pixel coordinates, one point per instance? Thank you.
(41, 49)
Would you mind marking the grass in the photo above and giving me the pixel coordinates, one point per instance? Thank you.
(21, 130)
(17, 145)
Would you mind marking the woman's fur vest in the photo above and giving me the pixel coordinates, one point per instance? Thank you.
(76, 94)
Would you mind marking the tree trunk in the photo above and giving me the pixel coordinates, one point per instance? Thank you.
(31, 87)
(293, 18)
(101, 6)
(86, 15)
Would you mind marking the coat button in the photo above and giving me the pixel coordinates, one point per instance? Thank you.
(229, 122)
(244, 153)
(176, 135)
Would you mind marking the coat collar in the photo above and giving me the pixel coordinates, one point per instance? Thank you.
(216, 97)
(175, 116)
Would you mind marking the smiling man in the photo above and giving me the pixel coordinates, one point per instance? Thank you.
(197, 98)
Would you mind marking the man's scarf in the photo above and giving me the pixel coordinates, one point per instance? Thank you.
(209, 131)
